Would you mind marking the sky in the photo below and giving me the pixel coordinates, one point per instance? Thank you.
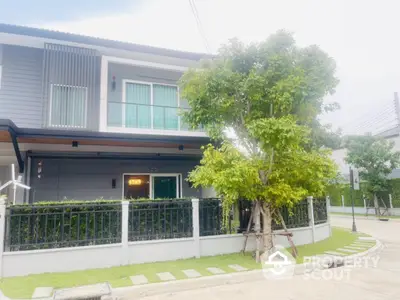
(361, 35)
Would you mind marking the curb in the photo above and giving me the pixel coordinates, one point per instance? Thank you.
(373, 218)
(172, 287)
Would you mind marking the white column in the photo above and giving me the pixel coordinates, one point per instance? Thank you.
(342, 201)
(311, 216)
(2, 230)
(196, 227)
(328, 213)
(390, 201)
(103, 94)
(1, 63)
(28, 168)
(124, 232)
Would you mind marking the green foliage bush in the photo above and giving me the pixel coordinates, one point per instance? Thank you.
(160, 219)
(335, 192)
(81, 223)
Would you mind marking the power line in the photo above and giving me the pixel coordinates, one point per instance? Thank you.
(372, 122)
(199, 25)
(371, 113)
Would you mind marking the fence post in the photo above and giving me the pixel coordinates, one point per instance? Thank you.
(124, 231)
(328, 211)
(196, 227)
(2, 230)
(343, 202)
(311, 216)
(390, 201)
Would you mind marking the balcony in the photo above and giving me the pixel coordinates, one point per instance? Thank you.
(145, 118)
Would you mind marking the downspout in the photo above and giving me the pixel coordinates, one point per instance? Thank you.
(14, 140)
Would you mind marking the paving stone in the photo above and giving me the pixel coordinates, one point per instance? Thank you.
(346, 250)
(237, 268)
(215, 270)
(366, 238)
(191, 273)
(334, 253)
(166, 276)
(364, 242)
(356, 247)
(42, 292)
(83, 292)
(139, 279)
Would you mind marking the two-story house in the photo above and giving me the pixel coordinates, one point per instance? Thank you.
(86, 118)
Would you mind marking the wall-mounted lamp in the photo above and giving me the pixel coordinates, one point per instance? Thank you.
(113, 84)
(134, 181)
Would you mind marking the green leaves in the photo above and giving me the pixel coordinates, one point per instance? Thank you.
(281, 134)
(269, 95)
(375, 158)
(274, 78)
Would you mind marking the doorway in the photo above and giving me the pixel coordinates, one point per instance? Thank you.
(152, 186)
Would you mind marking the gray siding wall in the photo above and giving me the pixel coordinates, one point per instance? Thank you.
(122, 72)
(21, 88)
(90, 179)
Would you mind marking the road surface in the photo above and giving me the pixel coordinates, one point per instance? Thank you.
(364, 283)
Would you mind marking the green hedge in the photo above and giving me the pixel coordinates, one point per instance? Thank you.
(63, 224)
(335, 192)
(45, 225)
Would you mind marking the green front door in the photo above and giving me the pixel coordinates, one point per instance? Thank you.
(164, 187)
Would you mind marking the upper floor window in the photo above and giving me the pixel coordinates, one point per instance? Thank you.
(146, 105)
(68, 105)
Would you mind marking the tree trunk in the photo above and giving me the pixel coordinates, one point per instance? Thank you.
(267, 227)
(376, 205)
(257, 229)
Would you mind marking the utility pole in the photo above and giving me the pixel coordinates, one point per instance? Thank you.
(354, 185)
(397, 110)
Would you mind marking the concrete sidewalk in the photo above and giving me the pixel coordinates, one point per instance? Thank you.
(362, 283)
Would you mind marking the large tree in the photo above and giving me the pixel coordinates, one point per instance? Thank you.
(375, 158)
(260, 103)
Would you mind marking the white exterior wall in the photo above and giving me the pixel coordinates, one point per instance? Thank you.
(92, 257)
(361, 210)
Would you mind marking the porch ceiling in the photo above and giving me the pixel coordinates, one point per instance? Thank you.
(93, 138)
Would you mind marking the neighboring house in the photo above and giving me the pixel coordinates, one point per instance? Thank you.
(87, 118)
(339, 155)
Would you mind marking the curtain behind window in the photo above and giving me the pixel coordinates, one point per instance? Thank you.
(137, 107)
(68, 106)
(165, 100)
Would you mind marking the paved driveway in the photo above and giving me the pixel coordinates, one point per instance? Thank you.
(382, 282)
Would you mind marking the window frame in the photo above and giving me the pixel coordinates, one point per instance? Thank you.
(151, 84)
(179, 188)
(51, 102)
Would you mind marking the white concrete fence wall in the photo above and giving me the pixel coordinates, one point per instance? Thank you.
(393, 211)
(20, 263)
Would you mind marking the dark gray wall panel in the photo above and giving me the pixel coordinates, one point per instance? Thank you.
(90, 179)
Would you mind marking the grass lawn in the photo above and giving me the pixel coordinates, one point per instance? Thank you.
(23, 287)
(363, 215)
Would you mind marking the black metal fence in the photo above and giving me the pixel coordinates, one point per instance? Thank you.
(211, 218)
(46, 226)
(320, 213)
(298, 218)
(160, 219)
(30, 227)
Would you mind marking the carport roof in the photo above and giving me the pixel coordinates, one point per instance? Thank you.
(9, 132)
(40, 134)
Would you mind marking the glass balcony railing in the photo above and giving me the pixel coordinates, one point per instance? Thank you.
(144, 116)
